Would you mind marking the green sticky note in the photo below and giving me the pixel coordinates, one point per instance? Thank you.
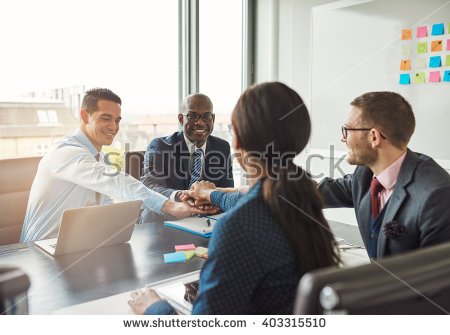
(422, 47)
(189, 254)
(419, 78)
(199, 251)
(421, 63)
(447, 60)
(406, 49)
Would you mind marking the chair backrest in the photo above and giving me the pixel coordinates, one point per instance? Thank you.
(134, 162)
(16, 178)
(412, 283)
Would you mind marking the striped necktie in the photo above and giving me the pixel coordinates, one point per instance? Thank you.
(196, 167)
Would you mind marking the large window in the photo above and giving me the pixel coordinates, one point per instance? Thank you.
(52, 51)
(220, 57)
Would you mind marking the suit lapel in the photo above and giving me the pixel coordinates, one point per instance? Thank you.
(398, 197)
(364, 220)
(185, 159)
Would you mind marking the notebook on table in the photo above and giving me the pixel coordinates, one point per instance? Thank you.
(93, 227)
(203, 225)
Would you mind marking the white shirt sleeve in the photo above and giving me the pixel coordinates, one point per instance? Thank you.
(77, 165)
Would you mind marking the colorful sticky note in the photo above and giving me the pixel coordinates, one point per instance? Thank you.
(404, 79)
(189, 254)
(184, 247)
(446, 76)
(438, 29)
(422, 48)
(419, 78)
(421, 63)
(405, 64)
(406, 49)
(435, 61)
(435, 77)
(200, 251)
(436, 46)
(406, 34)
(447, 60)
(448, 45)
(422, 31)
(175, 257)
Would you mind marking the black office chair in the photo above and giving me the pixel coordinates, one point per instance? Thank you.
(134, 162)
(417, 282)
(14, 285)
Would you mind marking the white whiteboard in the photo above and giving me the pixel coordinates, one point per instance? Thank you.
(357, 49)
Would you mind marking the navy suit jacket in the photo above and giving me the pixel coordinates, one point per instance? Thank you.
(419, 204)
(167, 164)
(251, 267)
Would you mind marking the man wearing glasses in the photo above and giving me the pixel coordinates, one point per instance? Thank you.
(173, 163)
(400, 197)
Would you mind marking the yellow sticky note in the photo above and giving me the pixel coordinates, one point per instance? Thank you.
(436, 46)
(199, 251)
(421, 63)
(419, 78)
(405, 64)
(406, 34)
(406, 49)
(189, 254)
(447, 60)
(422, 47)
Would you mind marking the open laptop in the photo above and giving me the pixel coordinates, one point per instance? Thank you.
(93, 227)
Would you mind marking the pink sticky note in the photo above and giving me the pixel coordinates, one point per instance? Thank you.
(448, 45)
(185, 247)
(435, 77)
(422, 31)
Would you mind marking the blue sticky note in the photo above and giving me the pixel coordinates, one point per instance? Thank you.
(446, 76)
(438, 29)
(435, 61)
(404, 79)
(175, 257)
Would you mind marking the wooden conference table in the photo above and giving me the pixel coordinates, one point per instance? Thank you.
(77, 278)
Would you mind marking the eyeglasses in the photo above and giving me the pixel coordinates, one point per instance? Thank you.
(345, 131)
(194, 117)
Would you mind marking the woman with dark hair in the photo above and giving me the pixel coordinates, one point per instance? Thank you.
(277, 232)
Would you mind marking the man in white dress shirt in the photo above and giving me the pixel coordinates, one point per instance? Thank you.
(73, 174)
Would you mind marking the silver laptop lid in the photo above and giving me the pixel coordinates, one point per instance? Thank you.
(97, 226)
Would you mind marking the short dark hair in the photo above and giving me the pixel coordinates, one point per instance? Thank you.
(390, 112)
(202, 96)
(92, 97)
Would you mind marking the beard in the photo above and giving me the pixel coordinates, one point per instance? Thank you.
(362, 155)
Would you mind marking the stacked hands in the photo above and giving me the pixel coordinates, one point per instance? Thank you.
(199, 197)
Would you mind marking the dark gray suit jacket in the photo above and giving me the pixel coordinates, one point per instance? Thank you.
(420, 203)
(167, 164)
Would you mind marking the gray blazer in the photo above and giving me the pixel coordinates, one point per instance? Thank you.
(420, 204)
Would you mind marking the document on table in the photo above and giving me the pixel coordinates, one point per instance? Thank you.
(202, 226)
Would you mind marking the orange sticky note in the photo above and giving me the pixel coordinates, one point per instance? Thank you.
(436, 46)
(405, 64)
(435, 77)
(406, 34)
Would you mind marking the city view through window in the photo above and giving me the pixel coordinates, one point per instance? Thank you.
(53, 51)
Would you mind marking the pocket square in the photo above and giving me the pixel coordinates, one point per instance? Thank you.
(393, 229)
